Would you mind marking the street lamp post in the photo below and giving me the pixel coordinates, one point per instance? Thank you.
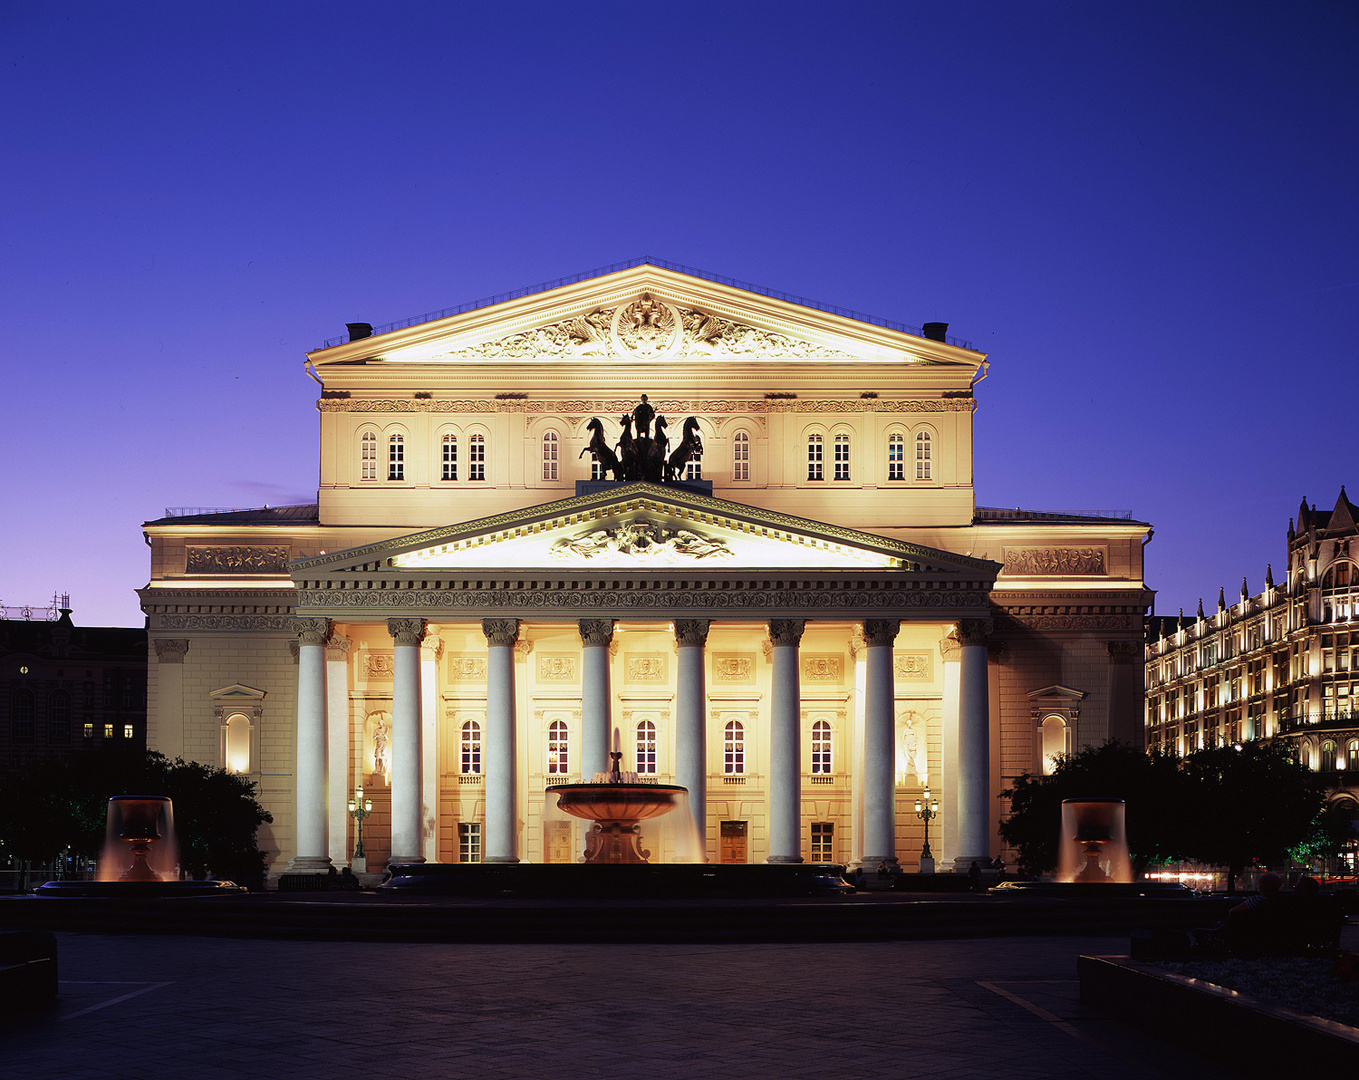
(359, 808)
(926, 807)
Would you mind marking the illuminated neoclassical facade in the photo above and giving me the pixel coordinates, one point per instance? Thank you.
(805, 624)
(1282, 664)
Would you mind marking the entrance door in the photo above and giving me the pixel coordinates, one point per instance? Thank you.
(557, 842)
(733, 848)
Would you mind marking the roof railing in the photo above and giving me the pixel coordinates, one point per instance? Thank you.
(993, 513)
(613, 268)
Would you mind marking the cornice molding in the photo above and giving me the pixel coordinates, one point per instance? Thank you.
(667, 406)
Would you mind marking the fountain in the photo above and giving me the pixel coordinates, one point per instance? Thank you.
(140, 828)
(615, 802)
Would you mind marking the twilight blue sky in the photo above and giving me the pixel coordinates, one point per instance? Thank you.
(1146, 214)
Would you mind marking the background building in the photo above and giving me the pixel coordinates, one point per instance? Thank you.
(64, 688)
(812, 621)
(1282, 664)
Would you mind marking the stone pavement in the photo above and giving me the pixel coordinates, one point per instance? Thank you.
(209, 1008)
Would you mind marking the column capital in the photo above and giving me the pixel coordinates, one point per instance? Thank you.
(974, 631)
(406, 631)
(596, 631)
(786, 631)
(949, 649)
(1124, 652)
(881, 631)
(337, 647)
(691, 632)
(500, 631)
(310, 631)
(171, 650)
(433, 646)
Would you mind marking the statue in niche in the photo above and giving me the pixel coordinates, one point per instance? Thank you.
(382, 748)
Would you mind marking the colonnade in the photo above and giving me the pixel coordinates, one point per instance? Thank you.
(784, 789)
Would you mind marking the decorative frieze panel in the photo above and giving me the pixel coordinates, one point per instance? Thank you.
(221, 622)
(734, 669)
(1055, 562)
(379, 665)
(642, 541)
(823, 668)
(913, 667)
(467, 668)
(237, 560)
(557, 668)
(645, 668)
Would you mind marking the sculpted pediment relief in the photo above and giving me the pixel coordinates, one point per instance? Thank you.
(648, 328)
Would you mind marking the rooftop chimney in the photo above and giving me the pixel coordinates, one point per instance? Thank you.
(935, 331)
(359, 330)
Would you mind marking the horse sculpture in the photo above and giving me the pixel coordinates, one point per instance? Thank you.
(690, 446)
(655, 458)
(628, 456)
(608, 460)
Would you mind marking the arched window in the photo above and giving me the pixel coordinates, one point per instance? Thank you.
(1351, 755)
(821, 748)
(740, 456)
(368, 456)
(471, 748)
(896, 457)
(1304, 756)
(842, 457)
(693, 468)
(815, 458)
(476, 457)
(236, 743)
(550, 455)
(734, 749)
(22, 717)
(646, 748)
(558, 753)
(1327, 763)
(59, 717)
(450, 458)
(396, 457)
(1340, 593)
(1053, 733)
(923, 461)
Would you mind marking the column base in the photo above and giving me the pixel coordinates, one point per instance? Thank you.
(310, 864)
(502, 859)
(405, 859)
(963, 863)
(784, 859)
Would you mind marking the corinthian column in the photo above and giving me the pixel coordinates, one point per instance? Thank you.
(596, 711)
(785, 744)
(691, 743)
(500, 846)
(407, 794)
(310, 778)
(879, 787)
(974, 747)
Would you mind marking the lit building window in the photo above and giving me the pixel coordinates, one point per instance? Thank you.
(1053, 732)
(127, 731)
(740, 457)
(842, 457)
(368, 456)
(734, 749)
(87, 731)
(450, 458)
(558, 752)
(646, 748)
(821, 747)
(896, 457)
(396, 458)
(823, 841)
(923, 461)
(1339, 589)
(471, 748)
(550, 456)
(108, 731)
(1351, 755)
(469, 841)
(814, 458)
(476, 457)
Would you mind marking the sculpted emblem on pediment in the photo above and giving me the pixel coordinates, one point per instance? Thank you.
(641, 541)
(646, 329)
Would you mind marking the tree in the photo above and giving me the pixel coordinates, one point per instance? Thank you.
(1150, 784)
(1249, 803)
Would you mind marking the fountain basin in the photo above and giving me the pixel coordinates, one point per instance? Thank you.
(615, 807)
(136, 890)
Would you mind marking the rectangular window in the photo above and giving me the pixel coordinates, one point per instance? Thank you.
(896, 458)
(87, 731)
(476, 458)
(842, 457)
(108, 731)
(450, 457)
(469, 841)
(550, 456)
(823, 841)
(368, 457)
(693, 469)
(923, 456)
(396, 458)
(127, 731)
(814, 458)
(740, 463)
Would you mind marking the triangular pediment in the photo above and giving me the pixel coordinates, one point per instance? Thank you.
(641, 527)
(644, 314)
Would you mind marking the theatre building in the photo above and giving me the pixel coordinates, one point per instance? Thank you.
(798, 611)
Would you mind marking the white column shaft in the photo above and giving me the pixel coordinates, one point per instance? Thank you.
(407, 788)
(596, 737)
(974, 770)
(880, 797)
(691, 742)
(337, 755)
(499, 842)
(785, 758)
(312, 842)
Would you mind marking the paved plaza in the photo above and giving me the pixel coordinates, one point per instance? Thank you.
(189, 1007)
